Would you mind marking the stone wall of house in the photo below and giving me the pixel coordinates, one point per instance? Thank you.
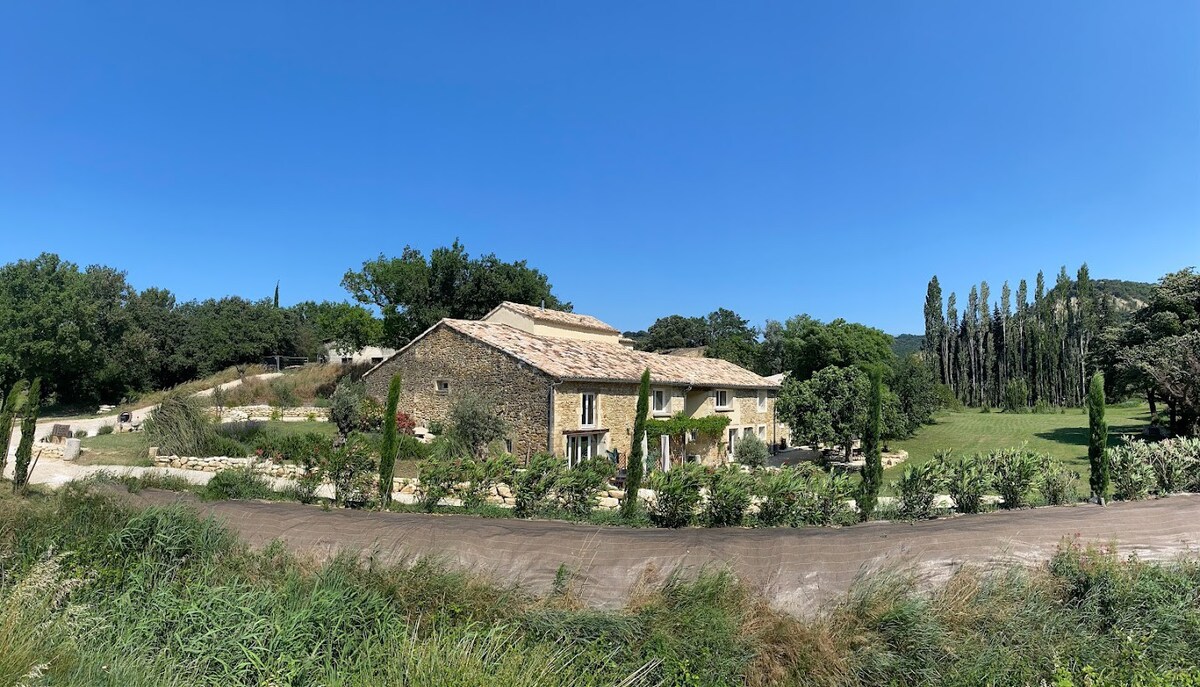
(617, 407)
(518, 393)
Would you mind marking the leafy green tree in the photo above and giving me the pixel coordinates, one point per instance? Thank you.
(675, 331)
(414, 292)
(634, 464)
(914, 383)
(347, 326)
(811, 345)
(872, 474)
(475, 424)
(389, 444)
(28, 429)
(730, 337)
(1097, 438)
(830, 408)
(770, 359)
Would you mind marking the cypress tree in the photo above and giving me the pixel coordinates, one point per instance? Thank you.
(634, 465)
(1097, 438)
(9, 411)
(28, 428)
(872, 474)
(276, 294)
(390, 443)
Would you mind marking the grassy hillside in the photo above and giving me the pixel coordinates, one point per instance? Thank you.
(1062, 435)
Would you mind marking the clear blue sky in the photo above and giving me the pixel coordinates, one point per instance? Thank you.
(652, 158)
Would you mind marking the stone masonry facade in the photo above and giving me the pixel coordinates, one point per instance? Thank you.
(441, 366)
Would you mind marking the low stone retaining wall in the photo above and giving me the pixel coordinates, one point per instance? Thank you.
(264, 413)
(217, 464)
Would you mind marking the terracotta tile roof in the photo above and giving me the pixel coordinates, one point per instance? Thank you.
(577, 359)
(559, 317)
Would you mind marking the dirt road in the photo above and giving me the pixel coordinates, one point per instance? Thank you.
(797, 569)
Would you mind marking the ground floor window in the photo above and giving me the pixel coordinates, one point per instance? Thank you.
(762, 432)
(580, 447)
(733, 437)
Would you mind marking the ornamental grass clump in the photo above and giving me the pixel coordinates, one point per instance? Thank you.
(728, 497)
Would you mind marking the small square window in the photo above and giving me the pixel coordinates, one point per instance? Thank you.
(662, 402)
(721, 397)
(443, 386)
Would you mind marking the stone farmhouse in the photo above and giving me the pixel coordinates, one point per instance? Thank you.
(568, 384)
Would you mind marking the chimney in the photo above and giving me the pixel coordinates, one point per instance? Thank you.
(543, 305)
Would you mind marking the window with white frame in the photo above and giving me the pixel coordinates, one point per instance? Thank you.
(662, 402)
(747, 432)
(442, 386)
(721, 399)
(762, 401)
(762, 432)
(733, 437)
(580, 447)
(587, 410)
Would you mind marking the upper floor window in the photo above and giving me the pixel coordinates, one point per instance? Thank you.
(662, 402)
(587, 410)
(721, 398)
(762, 401)
(442, 386)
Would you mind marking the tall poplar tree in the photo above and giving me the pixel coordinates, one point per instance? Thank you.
(935, 327)
(634, 465)
(1097, 438)
(872, 474)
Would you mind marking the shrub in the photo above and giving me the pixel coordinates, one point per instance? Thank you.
(307, 485)
(81, 434)
(1014, 471)
(779, 495)
(918, 487)
(475, 423)
(1132, 476)
(1057, 484)
(751, 452)
(1173, 463)
(1016, 396)
(968, 479)
(245, 432)
(728, 497)
(345, 404)
(677, 493)
(105, 429)
(825, 499)
(351, 469)
(306, 449)
(370, 415)
(237, 483)
(532, 486)
(578, 486)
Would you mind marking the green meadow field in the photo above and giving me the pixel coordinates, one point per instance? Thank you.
(1062, 435)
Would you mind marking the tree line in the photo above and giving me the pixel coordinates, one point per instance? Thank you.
(1036, 350)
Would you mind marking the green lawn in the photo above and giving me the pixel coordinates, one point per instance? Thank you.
(1063, 435)
(128, 448)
